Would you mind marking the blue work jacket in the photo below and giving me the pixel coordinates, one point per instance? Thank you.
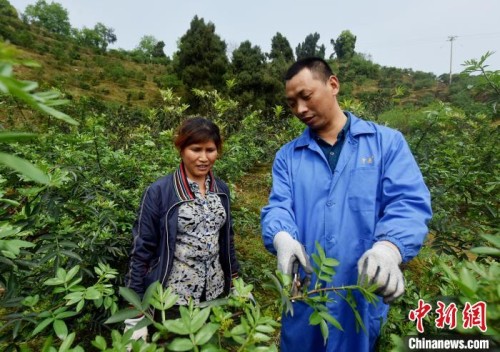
(375, 193)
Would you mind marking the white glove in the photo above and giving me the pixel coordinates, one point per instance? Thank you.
(141, 333)
(380, 265)
(288, 251)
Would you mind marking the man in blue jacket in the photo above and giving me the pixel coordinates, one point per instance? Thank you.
(354, 187)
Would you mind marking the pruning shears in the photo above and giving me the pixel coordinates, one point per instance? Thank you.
(297, 283)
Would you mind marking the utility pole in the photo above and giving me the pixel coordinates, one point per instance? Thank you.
(451, 38)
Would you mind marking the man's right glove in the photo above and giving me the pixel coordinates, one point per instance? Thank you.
(380, 265)
(288, 251)
(141, 333)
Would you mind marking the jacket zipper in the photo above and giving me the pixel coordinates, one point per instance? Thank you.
(166, 232)
(228, 236)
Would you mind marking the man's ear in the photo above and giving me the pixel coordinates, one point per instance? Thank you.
(334, 83)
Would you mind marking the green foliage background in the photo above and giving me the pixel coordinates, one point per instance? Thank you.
(78, 149)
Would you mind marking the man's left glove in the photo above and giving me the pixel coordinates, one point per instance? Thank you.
(380, 265)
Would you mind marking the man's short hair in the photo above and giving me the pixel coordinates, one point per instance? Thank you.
(319, 68)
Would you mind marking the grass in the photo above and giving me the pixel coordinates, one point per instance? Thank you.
(251, 194)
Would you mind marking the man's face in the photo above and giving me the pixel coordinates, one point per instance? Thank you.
(311, 99)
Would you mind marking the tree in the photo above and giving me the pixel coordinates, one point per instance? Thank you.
(280, 48)
(344, 45)
(52, 17)
(6, 9)
(147, 45)
(201, 60)
(247, 58)
(151, 47)
(281, 56)
(310, 47)
(99, 37)
(247, 66)
(11, 28)
(158, 49)
(106, 35)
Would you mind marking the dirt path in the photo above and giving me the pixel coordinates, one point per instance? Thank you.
(251, 195)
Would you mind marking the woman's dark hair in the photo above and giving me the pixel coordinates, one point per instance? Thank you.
(319, 68)
(197, 130)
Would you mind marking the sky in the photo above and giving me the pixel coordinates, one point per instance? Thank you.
(401, 33)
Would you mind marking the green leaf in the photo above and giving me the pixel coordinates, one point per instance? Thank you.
(8, 232)
(205, 333)
(130, 296)
(176, 326)
(67, 342)
(199, 319)
(122, 315)
(73, 297)
(329, 318)
(321, 251)
(467, 281)
(80, 305)
(265, 328)
(42, 325)
(180, 344)
(47, 345)
(146, 298)
(14, 246)
(486, 251)
(71, 254)
(24, 167)
(99, 343)
(330, 262)
(495, 240)
(238, 330)
(315, 318)
(170, 301)
(92, 293)
(324, 331)
(60, 328)
(359, 321)
(57, 114)
(54, 281)
(6, 137)
(327, 270)
(73, 271)
(64, 315)
(30, 301)
(449, 272)
(316, 259)
(260, 337)
(325, 278)
(61, 274)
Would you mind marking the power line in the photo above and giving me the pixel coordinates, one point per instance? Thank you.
(419, 41)
(451, 38)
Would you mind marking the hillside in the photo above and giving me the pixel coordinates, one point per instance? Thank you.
(104, 76)
(113, 75)
(126, 78)
(77, 70)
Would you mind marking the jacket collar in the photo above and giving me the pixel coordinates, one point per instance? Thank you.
(181, 184)
(358, 126)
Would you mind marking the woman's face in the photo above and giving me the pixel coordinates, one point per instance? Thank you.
(198, 159)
